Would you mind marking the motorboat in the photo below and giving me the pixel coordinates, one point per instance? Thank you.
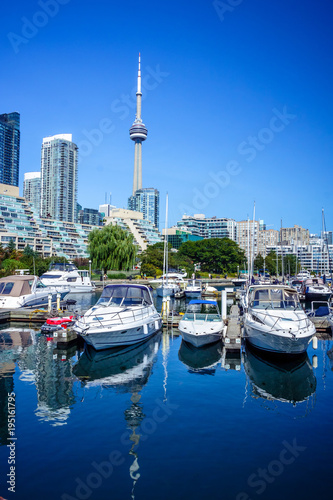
(296, 284)
(202, 323)
(275, 321)
(124, 315)
(209, 291)
(193, 289)
(314, 289)
(303, 275)
(63, 273)
(321, 315)
(168, 288)
(288, 380)
(28, 291)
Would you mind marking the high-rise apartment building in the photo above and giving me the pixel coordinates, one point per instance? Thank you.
(59, 178)
(210, 227)
(32, 189)
(9, 148)
(294, 235)
(146, 201)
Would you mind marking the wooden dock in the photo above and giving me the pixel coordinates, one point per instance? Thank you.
(232, 339)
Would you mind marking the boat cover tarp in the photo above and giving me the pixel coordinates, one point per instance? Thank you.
(322, 311)
(197, 301)
(15, 286)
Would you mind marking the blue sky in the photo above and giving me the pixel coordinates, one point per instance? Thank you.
(237, 100)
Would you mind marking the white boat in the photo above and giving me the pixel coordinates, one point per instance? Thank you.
(202, 323)
(303, 275)
(209, 291)
(193, 289)
(124, 315)
(68, 274)
(27, 291)
(314, 289)
(168, 288)
(274, 320)
(321, 314)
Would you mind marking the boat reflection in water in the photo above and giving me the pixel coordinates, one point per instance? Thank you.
(276, 378)
(203, 360)
(125, 369)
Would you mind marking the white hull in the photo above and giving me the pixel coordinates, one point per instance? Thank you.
(201, 334)
(278, 342)
(119, 335)
(76, 287)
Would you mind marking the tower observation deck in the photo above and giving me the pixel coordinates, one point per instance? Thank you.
(138, 134)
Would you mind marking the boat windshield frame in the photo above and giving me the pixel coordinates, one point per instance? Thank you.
(274, 298)
(125, 296)
(202, 312)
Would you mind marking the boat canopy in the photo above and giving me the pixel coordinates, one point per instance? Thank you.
(212, 302)
(15, 286)
(125, 295)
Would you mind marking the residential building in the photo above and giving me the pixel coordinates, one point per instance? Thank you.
(9, 148)
(146, 201)
(248, 237)
(59, 178)
(212, 227)
(294, 235)
(32, 189)
(177, 236)
(90, 216)
(145, 232)
(267, 237)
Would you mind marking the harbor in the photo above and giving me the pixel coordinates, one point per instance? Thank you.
(116, 422)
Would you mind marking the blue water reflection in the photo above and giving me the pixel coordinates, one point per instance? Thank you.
(164, 420)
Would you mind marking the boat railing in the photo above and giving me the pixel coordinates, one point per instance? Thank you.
(123, 317)
(262, 315)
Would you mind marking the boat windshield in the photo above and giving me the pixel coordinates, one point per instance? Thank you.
(275, 298)
(122, 295)
(62, 266)
(202, 312)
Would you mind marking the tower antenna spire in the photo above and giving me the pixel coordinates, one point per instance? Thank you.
(138, 134)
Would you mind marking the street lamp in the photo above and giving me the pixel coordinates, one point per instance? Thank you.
(90, 269)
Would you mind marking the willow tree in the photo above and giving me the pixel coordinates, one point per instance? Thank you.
(111, 248)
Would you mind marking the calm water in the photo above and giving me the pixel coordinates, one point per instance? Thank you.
(164, 421)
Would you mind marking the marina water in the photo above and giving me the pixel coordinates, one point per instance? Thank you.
(164, 421)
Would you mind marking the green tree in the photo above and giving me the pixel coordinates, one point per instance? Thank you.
(111, 248)
(259, 262)
(216, 255)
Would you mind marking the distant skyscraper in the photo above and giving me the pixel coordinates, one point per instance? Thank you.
(146, 201)
(59, 178)
(138, 134)
(32, 189)
(9, 148)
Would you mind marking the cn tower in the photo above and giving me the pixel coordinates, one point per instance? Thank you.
(138, 134)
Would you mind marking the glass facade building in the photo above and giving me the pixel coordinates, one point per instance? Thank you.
(32, 189)
(9, 148)
(59, 178)
(212, 227)
(146, 201)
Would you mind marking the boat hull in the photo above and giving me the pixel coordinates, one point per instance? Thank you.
(278, 342)
(197, 335)
(119, 335)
